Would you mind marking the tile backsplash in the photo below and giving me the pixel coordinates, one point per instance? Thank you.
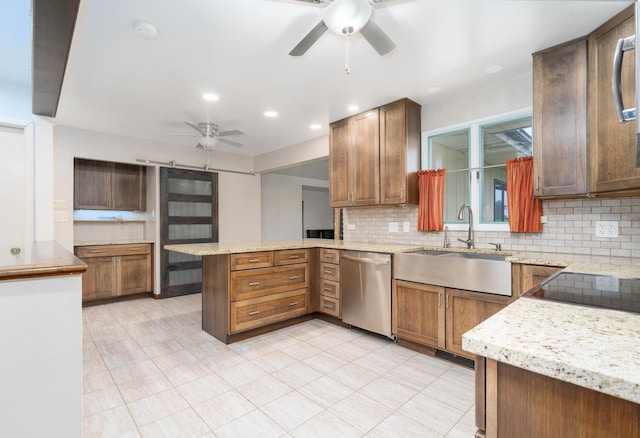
(570, 228)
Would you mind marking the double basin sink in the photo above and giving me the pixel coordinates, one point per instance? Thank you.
(474, 271)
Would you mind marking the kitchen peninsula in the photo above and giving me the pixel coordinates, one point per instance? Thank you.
(252, 287)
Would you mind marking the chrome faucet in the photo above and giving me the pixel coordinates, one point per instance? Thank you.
(469, 240)
(446, 243)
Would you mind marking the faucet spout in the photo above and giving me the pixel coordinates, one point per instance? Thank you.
(469, 240)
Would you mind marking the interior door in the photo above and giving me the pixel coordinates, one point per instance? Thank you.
(188, 214)
(16, 190)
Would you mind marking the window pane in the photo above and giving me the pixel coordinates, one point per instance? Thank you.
(451, 151)
(190, 231)
(198, 209)
(189, 186)
(501, 142)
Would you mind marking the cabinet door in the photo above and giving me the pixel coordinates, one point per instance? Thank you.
(135, 274)
(91, 185)
(612, 145)
(128, 184)
(339, 145)
(560, 120)
(364, 159)
(399, 152)
(100, 279)
(532, 275)
(418, 313)
(465, 310)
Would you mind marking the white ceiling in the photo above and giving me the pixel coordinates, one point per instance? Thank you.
(117, 82)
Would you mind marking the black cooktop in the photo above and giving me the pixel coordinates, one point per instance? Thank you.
(590, 290)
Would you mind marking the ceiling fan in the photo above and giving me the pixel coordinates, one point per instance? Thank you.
(344, 17)
(209, 134)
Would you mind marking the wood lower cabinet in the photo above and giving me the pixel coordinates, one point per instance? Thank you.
(247, 291)
(521, 403)
(329, 283)
(116, 270)
(437, 317)
(560, 120)
(465, 310)
(419, 313)
(102, 185)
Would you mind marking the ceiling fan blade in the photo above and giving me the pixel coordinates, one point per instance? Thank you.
(377, 38)
(308, 41)
(232, 143)
(315, 2)
(188, 135)
(194, 126)
(231, 132)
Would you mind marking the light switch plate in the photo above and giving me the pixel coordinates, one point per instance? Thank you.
(406, 227)
(351, 227)
(606, 228)
(393, 227)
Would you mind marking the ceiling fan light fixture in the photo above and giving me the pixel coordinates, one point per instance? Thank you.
(208, 142)
(347, 16)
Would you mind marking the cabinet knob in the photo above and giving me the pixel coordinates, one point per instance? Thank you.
(15, 250)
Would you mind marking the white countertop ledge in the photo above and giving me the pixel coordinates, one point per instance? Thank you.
(594, 348)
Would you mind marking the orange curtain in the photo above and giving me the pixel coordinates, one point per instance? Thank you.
(524, 210)
(431, 200)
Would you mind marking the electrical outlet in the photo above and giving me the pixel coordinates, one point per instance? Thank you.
(406, 227)
(606, 228)
(393, 227)
(351, 227)
(544, 219)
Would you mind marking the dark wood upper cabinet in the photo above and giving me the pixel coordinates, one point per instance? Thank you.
(560, 120)
(612, 145)
(374, 156)
(102, 185)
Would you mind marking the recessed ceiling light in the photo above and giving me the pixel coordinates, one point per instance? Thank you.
(352, 107)
(270, 114)
(210, 96)
(315, 126)
(495, 68)
(434, 90)
(145, 30)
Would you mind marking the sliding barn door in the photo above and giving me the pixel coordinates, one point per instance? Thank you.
(188, 214)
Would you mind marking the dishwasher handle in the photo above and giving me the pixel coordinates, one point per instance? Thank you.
(367, 260)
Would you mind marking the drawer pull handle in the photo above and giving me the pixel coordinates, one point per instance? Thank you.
(295, 303)
(293, 257)
(254, 283)
(254, 260)
(328, 289)
(329, 256)
(328, 272)
(328, 306)
(295, 277)
(95, 251)
(255, 312)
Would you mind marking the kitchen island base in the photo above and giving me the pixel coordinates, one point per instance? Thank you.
(523, 403)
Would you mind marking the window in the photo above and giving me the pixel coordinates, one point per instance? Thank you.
(475, 157)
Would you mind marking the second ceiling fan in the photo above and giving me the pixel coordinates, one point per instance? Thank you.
(345, 17)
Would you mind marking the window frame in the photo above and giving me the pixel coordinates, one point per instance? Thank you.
(474, 128)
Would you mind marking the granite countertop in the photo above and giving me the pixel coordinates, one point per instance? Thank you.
(111, 242)
(594, 348)
(43, 259)
(204, 249)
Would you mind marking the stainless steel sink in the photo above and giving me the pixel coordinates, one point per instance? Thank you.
(479, 272)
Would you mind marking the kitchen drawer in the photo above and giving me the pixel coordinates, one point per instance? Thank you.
(329, 255)
(251, 260)
(257, 312)
(329, 271)
(330, 288)
(289, 256)
(259, 282)
(112, 250)
(330, 306)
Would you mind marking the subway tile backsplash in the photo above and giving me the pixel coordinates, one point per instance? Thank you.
(570, 228)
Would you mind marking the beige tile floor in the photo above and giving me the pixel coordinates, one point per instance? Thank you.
(150, 371)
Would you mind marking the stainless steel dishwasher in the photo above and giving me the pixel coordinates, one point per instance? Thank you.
(365, 285)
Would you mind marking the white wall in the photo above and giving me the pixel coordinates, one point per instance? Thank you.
(282, 205)
(239, 195)
(293, 155)
(317, 214)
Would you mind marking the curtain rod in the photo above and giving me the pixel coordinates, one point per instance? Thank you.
(470, 169)
(206, 168)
